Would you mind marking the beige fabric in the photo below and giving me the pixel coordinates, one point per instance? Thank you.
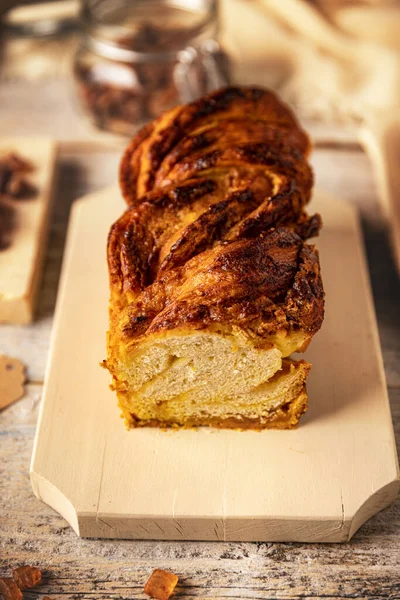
(286, 45)
(318, 68)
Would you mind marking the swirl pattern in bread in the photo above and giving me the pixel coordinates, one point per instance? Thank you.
(213, 285)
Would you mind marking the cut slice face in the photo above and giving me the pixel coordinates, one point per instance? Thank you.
(206, 378)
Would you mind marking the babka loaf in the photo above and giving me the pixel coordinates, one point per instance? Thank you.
(213, 285)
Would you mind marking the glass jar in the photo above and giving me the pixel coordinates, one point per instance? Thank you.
(141, 57)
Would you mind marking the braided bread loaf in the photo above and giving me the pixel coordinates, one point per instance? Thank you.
(212, 283)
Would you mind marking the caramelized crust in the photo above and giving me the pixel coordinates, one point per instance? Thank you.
(267, 286)
(170, 227)
(247, 116)
(214, 239)
(219, 236)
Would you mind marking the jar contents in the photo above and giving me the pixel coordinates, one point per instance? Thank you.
(128, 92)
(128, 74)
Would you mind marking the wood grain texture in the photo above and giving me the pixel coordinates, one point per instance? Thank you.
(30, 532)
(21, 261)
(206, 484)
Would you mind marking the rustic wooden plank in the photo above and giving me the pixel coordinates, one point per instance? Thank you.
(22, 260)
(386, 290)
(89, 569)
(77, 173)
(346, 174)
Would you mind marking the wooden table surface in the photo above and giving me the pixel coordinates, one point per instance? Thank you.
(32, 533)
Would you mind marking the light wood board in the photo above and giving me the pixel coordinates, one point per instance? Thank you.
(21, 261)
(319, 482)
(382, 142)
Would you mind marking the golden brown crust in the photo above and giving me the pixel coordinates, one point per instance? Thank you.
(284, 417)
(220, 237)
(203, 129)
(214, 236)
(265, 285)
(130, 164)
(228, 134)
(170, 227)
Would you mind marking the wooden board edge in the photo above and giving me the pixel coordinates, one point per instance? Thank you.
(211, 528)
(17, 311)
(381, 142)
(37, 478)
(386, 495)
(90, 526)
(214, 529)
(376, 338)
(48, 493)
(43, 233)
(377, 502)
(21, 310)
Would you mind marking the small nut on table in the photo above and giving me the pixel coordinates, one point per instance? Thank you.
(13, 183)
(27, 577)
(9, 589)
(19, 187)
(160, 585)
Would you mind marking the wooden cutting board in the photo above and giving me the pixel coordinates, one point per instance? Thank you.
(317, 483)
(21, 261)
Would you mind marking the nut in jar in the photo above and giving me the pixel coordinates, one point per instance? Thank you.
(140, 58)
